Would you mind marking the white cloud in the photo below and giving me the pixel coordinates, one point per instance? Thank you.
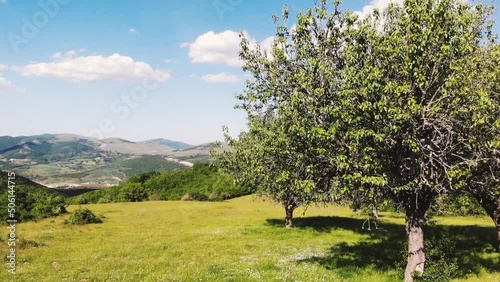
(170, 61)
(381, 5)
(220, 48)
(70, 66)
(376, 4)
(133, 30)
(5, 84)
(221, 78)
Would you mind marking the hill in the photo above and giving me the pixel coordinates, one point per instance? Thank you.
(203, 182)
(199, 153)
(176, 145)
(32, 200)
(70, 160)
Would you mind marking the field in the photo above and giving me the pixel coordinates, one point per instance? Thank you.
(238, 240)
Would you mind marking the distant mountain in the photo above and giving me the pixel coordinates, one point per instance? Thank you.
(176, 145)
(74, 161)
(199, 153)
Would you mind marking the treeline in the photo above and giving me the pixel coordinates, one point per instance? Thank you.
(32, 200)
(201, 183)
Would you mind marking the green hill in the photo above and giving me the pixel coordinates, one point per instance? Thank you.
(68, 160)
(202, 182)
(170, 143)
(32, 200)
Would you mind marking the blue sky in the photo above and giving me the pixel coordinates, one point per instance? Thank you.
(132, 69)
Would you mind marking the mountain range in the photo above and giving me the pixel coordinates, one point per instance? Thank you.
(68, 160)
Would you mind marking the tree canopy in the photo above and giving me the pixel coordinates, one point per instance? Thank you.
(401, 104)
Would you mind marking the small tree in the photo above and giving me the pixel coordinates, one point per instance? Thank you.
(264, 159)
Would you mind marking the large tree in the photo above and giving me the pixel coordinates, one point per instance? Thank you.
(483, 178)
(417, 117)
(380, 105)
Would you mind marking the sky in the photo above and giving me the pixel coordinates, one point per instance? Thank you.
(132, 69)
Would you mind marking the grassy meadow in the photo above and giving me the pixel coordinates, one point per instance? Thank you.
(237, 240)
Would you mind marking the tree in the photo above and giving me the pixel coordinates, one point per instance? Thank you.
(278, 156)
(265, 160)
(374, 106)
(414, 110)
(483, 179)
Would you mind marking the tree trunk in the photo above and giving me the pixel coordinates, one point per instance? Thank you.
(375, 212)
(497, 224)
(492, 207)
(416, 206)
(289, 217)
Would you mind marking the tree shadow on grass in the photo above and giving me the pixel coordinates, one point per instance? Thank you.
(470, 248)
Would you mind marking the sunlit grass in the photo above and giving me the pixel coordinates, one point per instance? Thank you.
(238, 240)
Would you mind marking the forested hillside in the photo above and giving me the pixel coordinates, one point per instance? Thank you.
(32, 200)
(202, 182)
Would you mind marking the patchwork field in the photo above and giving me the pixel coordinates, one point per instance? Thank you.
(238, 240)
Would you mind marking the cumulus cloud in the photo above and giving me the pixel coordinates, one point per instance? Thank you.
(220, 48)
(5, 84)
(71, 66)
(381, 5)
(221, 78)
(376, 4)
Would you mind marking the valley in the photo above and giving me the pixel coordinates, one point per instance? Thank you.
(73, 161)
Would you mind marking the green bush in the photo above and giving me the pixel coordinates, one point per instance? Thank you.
(197, 196)
(83, 216)
(33, 201)
(456, 204)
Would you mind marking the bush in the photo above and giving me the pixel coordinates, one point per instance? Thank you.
(84, 216)
(197, 196)
(456, 204)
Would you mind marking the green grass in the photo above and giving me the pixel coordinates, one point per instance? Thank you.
(238, 240)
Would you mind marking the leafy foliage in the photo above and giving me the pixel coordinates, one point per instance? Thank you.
(33, 201)
(400, 105)
(83, 216)
(199, 182)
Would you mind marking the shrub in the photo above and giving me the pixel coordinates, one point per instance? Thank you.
(456, 204)
(84, 216)
(186, 197)
(197, 196)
